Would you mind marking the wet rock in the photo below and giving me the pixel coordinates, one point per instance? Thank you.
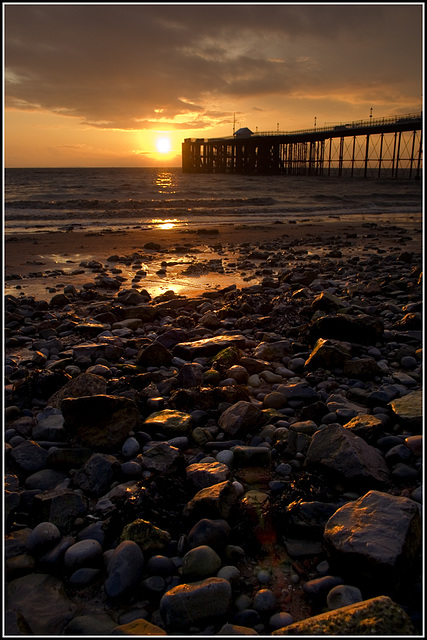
(365, 426)
(170, 422)
(205, 474)
(380, 615)
(100, 421)
(190, 604)
(375, 539)
(97, 474)
(337, 450)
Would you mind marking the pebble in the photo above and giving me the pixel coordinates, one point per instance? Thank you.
(247, 403)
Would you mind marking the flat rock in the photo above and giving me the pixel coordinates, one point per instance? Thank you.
(170, 422)
(409, 410)
(375, 539)
(378, 616)
(328, 354)
(205, 474)
(138, 627)
(207, 347)
(42, 602)
(335, 449)
(214, 502)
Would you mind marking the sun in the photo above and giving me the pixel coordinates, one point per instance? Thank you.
(163, 145)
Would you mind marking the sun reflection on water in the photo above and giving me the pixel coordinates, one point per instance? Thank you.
(169, 223)
(165, 182)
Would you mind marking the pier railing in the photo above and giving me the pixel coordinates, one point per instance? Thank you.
(380, 147)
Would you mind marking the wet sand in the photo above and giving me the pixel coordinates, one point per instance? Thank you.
(37, 264)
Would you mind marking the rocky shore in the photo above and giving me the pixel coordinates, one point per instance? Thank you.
(247, 461)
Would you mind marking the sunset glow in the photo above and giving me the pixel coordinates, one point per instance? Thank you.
(70, 99)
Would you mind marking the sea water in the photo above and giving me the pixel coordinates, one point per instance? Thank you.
(37, 200)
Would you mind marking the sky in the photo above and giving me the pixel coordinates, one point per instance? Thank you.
(123, 84)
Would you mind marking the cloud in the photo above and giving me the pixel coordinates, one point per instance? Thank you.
(137, 66)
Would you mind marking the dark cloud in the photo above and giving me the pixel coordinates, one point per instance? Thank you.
(138, 66)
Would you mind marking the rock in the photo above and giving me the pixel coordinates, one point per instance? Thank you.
(138, 627)
(124, 569)
(42, 602)
(265, 601)
(162, 458)
(147, 536)
(44, 535)
(240, 418)
(343, 595)
(206, 474)
(236, 630)
(45, 479)
(189, 604)
(85, 384)
(362, 368)
(97, 474)
(375, 539)
(336, 450)
(361, 329)
(29, 456)
(377, 616)
(86, 553)
(170, 422)
(215, 502)
(207, 347)
(272, 351)
(100, 421)
(200, 563)
(61, 507)
(328, 354)
(154, 355)
(94, 624)
(214, 533)
(409, 410)
(190, 375)
(279, 620)
(251, 457)
(365, 426)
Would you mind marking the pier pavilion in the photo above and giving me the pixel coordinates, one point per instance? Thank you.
(386, 147)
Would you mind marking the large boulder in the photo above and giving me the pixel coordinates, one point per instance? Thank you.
(375, 540)
(378, 616)
(336, 450)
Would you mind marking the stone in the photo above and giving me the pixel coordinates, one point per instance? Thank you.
(44, 535)
(409, 410)
(162, 458)
(362, 368)
(215, 502)
(85, 384)
(138, 627)
(189, 604)
(207, 347)
(85, 553)
(29, 456)
(95, 624)
(214, 533)
(240, 418)
(246, 456)
(200, 563)
(328, 354)
(336, 450)
(170, 422)
(264, 601)
(205, 474)
(100, 421)
(154, 355)
(377, 616)
(97, 474)
(272, 351)
(42, 602)
(343, 595)
(365, 426)
(124, 569)
(146, 535)
(61, 507)
(375, 540)
(361, 329)
(229, 629)
(45, 479)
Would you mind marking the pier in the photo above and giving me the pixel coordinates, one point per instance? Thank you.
(380, 148)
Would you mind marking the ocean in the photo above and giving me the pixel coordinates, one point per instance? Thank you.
(37, 200)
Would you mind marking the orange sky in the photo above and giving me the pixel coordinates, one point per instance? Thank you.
(99, 85)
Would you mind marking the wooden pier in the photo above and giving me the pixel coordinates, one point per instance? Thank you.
(387, 147)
